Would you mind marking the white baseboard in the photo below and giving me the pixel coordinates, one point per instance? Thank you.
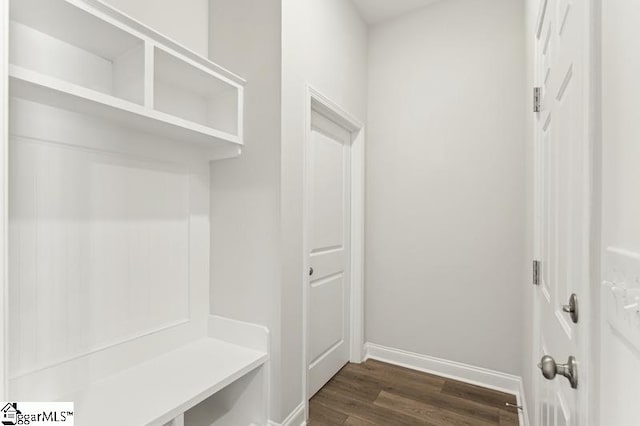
(484, 377)
(295, 418)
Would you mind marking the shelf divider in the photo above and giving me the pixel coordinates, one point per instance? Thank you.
(148, 74)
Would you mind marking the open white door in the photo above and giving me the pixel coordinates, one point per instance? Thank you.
(563, 213)
(4, 181)
(329, 228)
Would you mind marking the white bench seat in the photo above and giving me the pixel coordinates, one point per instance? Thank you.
(161, 389)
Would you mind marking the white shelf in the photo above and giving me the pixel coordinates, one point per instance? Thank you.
(46, 15)
(71, 24)
(191, 92)
(163, 388)
(86, 57)
(36, 87)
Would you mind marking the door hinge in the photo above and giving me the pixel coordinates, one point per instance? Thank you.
(536, 272)
(537, 99)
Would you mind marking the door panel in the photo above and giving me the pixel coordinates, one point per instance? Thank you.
(326, 263)
(562, 206)
(326, 309)
(327, 194)
(328, 232)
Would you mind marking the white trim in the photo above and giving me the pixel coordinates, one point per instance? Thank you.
(523, 415)
(4, 181)
(295, 418)
(357, 246)
(450, 369)
(484, 377)
(316, 101)
(594, 62)
(178, 421)
(249, 335)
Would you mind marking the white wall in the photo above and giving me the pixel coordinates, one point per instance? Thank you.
(186, 21)
(620, 373)
(245, 192)
(445, 183)
(325, 45)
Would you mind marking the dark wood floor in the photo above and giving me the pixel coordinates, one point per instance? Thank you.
(375, 393)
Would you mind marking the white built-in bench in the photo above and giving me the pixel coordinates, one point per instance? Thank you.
(161, 390)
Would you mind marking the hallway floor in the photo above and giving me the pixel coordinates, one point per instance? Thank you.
(375, 393)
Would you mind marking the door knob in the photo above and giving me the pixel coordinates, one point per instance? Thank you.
(572, 308)
(310, 271)
(569, 370)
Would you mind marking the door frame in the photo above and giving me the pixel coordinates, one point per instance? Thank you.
(4, 193)
(316, 101)
(590, 301)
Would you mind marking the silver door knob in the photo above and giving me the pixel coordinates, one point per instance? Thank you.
(572, 308)
(569, 370)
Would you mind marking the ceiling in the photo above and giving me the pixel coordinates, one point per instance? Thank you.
(376, 11)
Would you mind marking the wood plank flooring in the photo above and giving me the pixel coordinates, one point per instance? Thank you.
(375, 393)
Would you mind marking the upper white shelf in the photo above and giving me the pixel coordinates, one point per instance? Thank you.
(161, 389)
(84, 56)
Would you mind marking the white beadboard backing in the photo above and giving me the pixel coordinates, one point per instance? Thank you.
(147, 157)
(100, 251)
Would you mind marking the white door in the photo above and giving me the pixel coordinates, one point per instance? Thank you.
(328, 235)
(562, 209)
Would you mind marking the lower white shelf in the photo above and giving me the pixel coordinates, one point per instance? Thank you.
(161, 389)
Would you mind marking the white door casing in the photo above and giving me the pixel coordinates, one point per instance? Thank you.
(329, 248)
(563, 199)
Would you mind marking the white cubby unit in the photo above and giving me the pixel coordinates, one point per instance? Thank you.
(84, 56)
(109, 131)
